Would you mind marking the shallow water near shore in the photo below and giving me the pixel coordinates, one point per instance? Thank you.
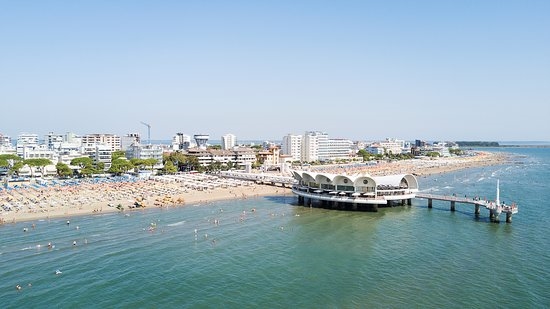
(282, 255)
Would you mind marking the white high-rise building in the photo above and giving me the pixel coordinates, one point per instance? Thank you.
(181, 141)
(52, 140)
(317, 146)
(145, 152)
(73, 139)
(337, 148)
(103, 153)
(228, 141)
(24, 140)
(292, 146)
(128, 140)
(314, 146)
(5, 140)
(110, 140)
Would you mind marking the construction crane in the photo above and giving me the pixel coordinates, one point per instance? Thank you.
(148, 131)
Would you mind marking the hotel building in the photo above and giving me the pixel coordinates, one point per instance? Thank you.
(110, 140)
(228, 141)
(292, 146)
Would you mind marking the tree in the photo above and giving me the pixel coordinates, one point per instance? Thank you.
(117, 154)
(40, 163)
(120, 166)
(230, 165)
(183, 162)
(6, 158)
(63, 170)
(86, 165)
(214, 166)
(100, 167)
(82, 161)
(150, 162)
(16, 167)
(169, 168)
(137, 162)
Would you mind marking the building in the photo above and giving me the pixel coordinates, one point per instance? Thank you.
(52, 140)
(313, 144)
(103, 154)
(129, 139)
(270, 158)
(181, 141)
(228, 141)
(73, 138)
(6, 147)
(354, 192)
(201, 140)
(389, 146)
(240, 156)
(137, 151)
(24, 140)
(292, 146)
(110, 140)
(337, 148)
(38, 152)
(5, 140)
(317, 146)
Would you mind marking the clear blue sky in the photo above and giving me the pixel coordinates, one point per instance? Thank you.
(364, 70)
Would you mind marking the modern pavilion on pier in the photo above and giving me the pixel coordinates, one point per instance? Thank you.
(357, 192)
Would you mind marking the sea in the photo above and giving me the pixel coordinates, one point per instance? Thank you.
(269, 252)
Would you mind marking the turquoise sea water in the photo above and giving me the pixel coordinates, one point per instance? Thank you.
(288, 256)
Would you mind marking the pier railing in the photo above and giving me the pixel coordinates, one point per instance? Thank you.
(494, 208)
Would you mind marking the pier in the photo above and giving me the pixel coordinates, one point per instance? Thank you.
(368, 193)
(261, 178)
(494, 207)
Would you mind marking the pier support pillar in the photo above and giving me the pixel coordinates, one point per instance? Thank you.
(409, 202)
(476, 212)
(375, 207)
(492, 215)
(334, 205)
(301, 200)
(354, 206)
(429, 203)
(309, 202)
(508, 217)
(453, 206)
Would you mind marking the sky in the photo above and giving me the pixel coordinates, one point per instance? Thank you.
(361, 70)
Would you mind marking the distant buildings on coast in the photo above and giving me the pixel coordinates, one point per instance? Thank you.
(310, 147)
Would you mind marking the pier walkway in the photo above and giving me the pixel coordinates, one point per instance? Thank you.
(495, 208)
(261, 178)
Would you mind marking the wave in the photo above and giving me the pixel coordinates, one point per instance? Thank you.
(176, 224)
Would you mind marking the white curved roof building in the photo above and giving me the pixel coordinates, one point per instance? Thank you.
(354, 189)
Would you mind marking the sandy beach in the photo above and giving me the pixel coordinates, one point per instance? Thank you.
(420, 167)
(32, 202)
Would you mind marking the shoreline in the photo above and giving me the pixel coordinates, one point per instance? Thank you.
(89, 198)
